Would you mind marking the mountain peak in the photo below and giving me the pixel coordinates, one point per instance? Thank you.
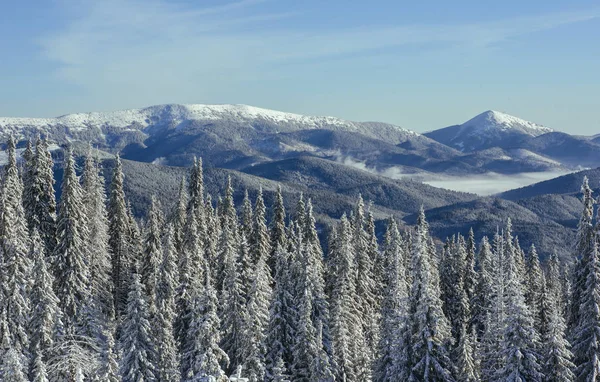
(491, 120)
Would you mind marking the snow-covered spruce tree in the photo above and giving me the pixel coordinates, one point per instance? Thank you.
(166, 347)
(191, 262)
(467, 368)
(346, 327)
(557, 365)
(38, 371)
(246, 218)
(305, 348)
(72, 273)
(134, 242)
(229, 239)
(392, 364)
(534, 279)
(119, 233)
(278, 234)
(138, 350)
(316, 274)
(280, 336)
(196, 189)
(202, 356)
(554, 287)
(16, 264)
(520, 339)
(108, 370)
(365, 290)
(279, 373)
(11, 367)
(321, 368)
(492, 337)
(244, 258)
(179, 216)
(27, 171)
(481, 303)
(260, 245)
(152, 254)
(212, 240)
(233, 308)
(94, 200)
(583, 246)
(38, 196)
(45, 315)
(259, 299)
(469, 273)
(456, 304)
(430, 330)
(586, 335)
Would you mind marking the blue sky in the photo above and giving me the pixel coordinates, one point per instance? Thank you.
(422, 65)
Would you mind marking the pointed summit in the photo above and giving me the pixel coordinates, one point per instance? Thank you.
(496, 120)
(486, 130)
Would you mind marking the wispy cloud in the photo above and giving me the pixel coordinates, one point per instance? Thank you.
(137, 47)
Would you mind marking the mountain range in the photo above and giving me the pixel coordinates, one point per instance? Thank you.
(332, 161)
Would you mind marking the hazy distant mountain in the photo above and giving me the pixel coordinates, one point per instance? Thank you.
(488, 129)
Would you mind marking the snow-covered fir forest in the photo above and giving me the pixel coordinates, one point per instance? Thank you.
(90, 294)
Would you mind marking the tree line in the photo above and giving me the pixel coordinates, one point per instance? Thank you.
(90, 294)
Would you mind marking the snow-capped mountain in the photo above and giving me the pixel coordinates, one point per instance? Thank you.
(176, 115)
(488, 129)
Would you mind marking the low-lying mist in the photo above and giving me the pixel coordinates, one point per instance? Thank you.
(481, 184)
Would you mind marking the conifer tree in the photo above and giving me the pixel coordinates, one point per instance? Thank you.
(16, 264)
(202, 356)
(558, 365)
(229, 240)
(259, 299)
(94, 200)
(469, 273)
(27, 171)
(481, 302)
(38, 196)
(520, 339)
(554, 285)
(191, 262)
(246, 219)
(278, 234)
(119, 233)
(586, 335)
(492, 336)
(305, 349)
(166, 346)
(429, 327)
(11, 367)
(466, 364)
(346, 327)
(152, 254)
(392, 364)
(535, 288)
(108, 370)
(452, 276)
(234, 308)
(583, 246)
(38, 368)
(280, 333)
(45, 321)
(180, 216)
(72, 273)
(365, 288)
(137, 345)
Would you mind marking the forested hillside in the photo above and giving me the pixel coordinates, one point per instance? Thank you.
(90, 293)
